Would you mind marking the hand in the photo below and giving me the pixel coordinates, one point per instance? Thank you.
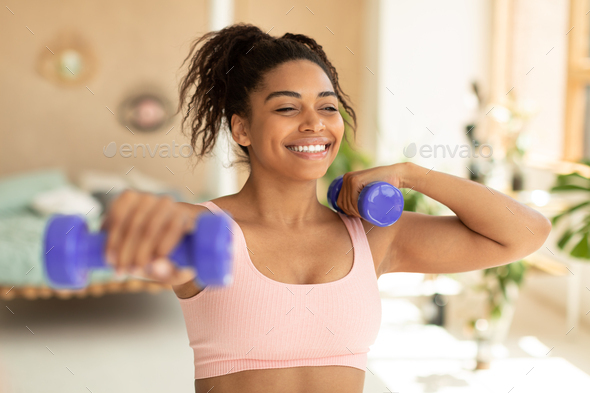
(354, 182)
(166, 272)
(142, 230)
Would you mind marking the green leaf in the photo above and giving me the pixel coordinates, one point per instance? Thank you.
(568, 211)
(581, 250)
(571, 178)
(503, 288)
(565, 238)
(578, 231)
(569, 187)
(496, 312)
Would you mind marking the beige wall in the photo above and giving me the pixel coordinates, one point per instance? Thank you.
(136, 42)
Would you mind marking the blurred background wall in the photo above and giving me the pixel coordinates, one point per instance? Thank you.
(408, 68)
(136, 44)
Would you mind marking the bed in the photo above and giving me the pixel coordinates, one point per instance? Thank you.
(22, 224)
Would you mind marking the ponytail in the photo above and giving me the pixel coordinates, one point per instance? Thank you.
(230, 65)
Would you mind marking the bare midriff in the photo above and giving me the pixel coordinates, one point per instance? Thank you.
(317, 379)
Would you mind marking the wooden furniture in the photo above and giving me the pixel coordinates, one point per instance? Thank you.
(95, 290)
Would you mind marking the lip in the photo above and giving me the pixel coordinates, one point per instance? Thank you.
(310, 141)
(312, 156)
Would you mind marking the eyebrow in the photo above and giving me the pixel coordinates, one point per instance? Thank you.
(294, 94)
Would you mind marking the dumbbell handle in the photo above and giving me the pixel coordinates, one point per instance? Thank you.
(94, 250)
(95, 245)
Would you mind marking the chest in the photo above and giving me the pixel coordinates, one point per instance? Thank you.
(318, 254)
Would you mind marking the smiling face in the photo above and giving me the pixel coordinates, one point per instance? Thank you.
(296, 106)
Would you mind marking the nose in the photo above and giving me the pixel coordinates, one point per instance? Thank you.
(314, 124)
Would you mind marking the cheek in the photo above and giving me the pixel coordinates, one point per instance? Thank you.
(270, 139)
(339, 125)
(267, 147)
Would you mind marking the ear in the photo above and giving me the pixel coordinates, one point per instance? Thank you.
(239, 130)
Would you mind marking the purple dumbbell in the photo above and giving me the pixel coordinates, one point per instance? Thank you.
(379, 202)
(71, 251)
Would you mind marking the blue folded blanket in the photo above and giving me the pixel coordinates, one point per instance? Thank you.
(21, 249)
(22, 229)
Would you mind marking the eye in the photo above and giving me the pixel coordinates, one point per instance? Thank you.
(291, 109)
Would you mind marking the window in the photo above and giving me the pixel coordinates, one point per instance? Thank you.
(577, 110)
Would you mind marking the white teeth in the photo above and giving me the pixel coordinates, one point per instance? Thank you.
(308, 149)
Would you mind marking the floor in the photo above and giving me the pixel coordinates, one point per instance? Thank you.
(138, 343)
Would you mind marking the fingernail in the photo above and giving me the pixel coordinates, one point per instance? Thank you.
(161, 268)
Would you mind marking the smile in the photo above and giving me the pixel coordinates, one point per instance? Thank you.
(310, 152)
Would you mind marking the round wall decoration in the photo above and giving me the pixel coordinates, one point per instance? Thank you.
(67, 60)
(146, 110)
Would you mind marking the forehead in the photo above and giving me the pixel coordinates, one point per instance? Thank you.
(302, 76)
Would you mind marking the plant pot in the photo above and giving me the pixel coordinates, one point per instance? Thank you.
(484, 354)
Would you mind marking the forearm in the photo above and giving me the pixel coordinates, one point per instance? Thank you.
(482, 209)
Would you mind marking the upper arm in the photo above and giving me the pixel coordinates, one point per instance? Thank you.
(189, 288)
(422, 243)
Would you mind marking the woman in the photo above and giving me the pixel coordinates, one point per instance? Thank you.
(304, 305)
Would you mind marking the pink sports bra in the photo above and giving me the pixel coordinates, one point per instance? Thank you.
(260, 323)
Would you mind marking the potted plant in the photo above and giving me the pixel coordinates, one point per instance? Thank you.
(577, 233)
(501, 286)
(512, 115)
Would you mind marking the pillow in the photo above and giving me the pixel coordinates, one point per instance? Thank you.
(17, 191)
(66, 200)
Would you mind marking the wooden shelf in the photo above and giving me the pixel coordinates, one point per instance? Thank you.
(95, 290)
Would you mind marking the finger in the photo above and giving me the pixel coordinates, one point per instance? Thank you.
(172, 234)
(341, 195)
(180, 276)
(134, 231)
(356, 188)
(159, 269)
(164, 271)
(163, 212)
(346, 201)
(116, 222)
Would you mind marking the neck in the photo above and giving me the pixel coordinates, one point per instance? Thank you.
(277, 200)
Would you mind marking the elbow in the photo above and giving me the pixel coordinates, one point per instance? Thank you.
(547, 227)
(529, 244)
(541, 234)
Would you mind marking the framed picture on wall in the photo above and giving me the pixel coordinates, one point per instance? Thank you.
(145, 111)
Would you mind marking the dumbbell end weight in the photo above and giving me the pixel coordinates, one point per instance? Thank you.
(209, 252)
(69, 251)
(380, 203)
(334, 191)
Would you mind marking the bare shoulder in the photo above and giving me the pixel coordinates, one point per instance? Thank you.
(196, 209)
(190, 288)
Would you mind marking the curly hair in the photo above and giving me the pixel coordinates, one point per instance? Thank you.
(230, 65)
